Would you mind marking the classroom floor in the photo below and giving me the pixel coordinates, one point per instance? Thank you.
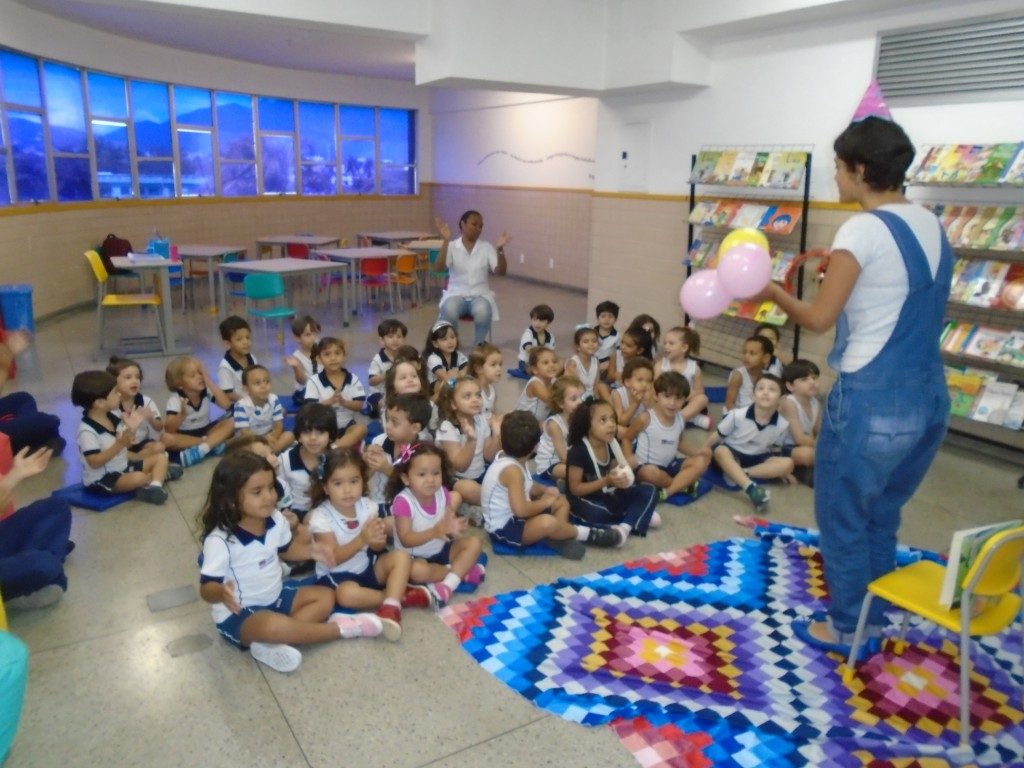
(114, 683)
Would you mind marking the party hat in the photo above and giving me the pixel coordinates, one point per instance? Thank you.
(872, 105)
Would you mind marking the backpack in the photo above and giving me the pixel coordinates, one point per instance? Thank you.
(114, 246)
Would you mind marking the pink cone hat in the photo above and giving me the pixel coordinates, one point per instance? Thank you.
(872, 105)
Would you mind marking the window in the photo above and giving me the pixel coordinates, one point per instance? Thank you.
(69, 134)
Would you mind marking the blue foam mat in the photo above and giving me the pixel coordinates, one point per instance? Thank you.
(550, 482)
(715, 394)
(466, 587)
(682, 499)
(515, 373)
(539, 549)
(98, 502)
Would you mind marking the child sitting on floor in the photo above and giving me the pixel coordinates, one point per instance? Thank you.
(536, 396)
(190, 432)
(739, 393)
(339, 388)
(780, 359)
(405, 419)
(680, 344)
(607, 336)
(260, 411)
(537, 335)
(445, 362)
(566, 394)
(631, 399)
(391, 333)
(302, 361)
(468, 438)
(315, 429)
(802, 410)
(129, 385)
(237, 335)
(487, 367)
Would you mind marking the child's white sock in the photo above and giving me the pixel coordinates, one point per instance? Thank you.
(625, 530)
(156, 484)
(203, 448)
(391, 601)
(452, 581)
(582, 532)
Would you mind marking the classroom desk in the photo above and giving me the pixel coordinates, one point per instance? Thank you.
(142, 263)
(351, 257)
(286, 267)
(281, 241)
(394, 237)
(209, 254)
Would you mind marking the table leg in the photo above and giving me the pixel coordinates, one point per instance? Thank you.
(211, 279)
(170, 343)
(344, 292)
(223, 293)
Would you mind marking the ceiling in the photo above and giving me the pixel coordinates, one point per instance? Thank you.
(276, 43)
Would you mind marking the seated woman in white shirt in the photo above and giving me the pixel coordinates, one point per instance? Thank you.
(469, 260)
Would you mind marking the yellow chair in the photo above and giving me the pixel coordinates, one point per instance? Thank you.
(106, 300)
(916, 588)
(405, 274)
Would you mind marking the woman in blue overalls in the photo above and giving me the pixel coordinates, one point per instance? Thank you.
(885, 290)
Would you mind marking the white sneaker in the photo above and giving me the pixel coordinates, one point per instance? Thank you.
(277, 656)
(702, 420)
(655, 522)
(41, 598)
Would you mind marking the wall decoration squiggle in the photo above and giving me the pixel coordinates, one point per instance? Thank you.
(570, 155)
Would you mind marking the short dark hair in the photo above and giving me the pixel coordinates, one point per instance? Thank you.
(416, 407)
(316, 417)
(766, 344)
(118, 364)
(299, 324)
(391, 325)
(672, 383)
(774, 329)
(90, 386)
(799, 369)
(335, 459)
(520, 433)
(607, 306)
(542, 312)
(250, 370)
(230, 325)
(465, 216)
(776, 379)
(534, 354)
(882, 147)
(582, 331)
(632, 366)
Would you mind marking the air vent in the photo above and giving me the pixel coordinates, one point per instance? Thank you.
(953, 61)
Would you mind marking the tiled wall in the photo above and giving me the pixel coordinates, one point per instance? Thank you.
(45, 248)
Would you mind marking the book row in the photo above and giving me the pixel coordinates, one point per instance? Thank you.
(991, 227)
(968, 164)
(980, 396)
(750, 168)
(991, 284)
(773, 219)
(973, 340)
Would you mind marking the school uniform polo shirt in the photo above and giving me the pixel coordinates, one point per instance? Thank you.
(530, 339)
(326, 519)
(320, 387)
(436, 362)
(95, 438)
(296, 478)
(607, 345)
(198, 416)
(744, 434)
(229, 372)
(380, 365)
(259, 418)
(145, 430)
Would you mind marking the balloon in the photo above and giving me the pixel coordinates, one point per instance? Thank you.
(1012, 295)
(703, 296)
(744, 270)
(743, 235)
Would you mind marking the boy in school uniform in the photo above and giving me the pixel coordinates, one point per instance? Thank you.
(392, 335)
(802, 409)
(260, 412)
(405, 419)
(749, 438)
(537, 335)
(607, 335)
(757, 354)
(237, 335)
(658, 432)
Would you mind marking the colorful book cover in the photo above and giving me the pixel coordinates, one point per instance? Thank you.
(707, 160)
(986, 292)
(1004, 238)
(958, 336)
(958, 269)
(996, 163)
(702, 211)
(747, 308)
(972, 229)
(740, 173)
(749, 215)
(1015, 414)
(986, 342)
(949, 164)
(724, 212)
(757, 172)
(783, 219)
(1016, 237)
(957, 227)
(786, 170)
(974, 163)
(930, 172)
(1013, 173)
(1011, 297)
(963, 390)
(702, 253)
(723, 167)
(1012, 352)
(781, 262)
(994, 401)
(991, 229)
(950, 214)
(964, 550)
(921, 161)
(968, 152)
(970, 278)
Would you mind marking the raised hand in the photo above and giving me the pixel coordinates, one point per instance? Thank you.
(452, 525)
(503, 240)
(468, 427)
(17, 341)
(27, 465)
(291, 361)
(442, 228)
(376, 533)
(323, 553)
(229, 597)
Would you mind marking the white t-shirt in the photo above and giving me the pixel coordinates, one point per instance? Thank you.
(198, 416)
(807, 420)
(437, 362)
(534, 405)
(229, 373)
(659, 443)
(547, 456)
(468, 272)
(94, 438)
(320, 387)
(607, 345)
(306, 364)
(449, 433)
(494, 495)
(326, 519)
(742, 432)
(881, 288)
(259, 418)
(292, 473)
(145, 430)
(249, 561)
(379, 365)
(529, 339)
(587, 376)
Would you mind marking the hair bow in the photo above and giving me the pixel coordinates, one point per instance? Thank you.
(583, 327)
(439, 325)
(407, 453)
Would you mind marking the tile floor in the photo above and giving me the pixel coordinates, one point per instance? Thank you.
(113, 683)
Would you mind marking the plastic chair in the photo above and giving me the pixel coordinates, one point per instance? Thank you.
(375, 273)
(296, 250)
(267, 287)
(106, 301)
(333, 278)
(405, 274)
(437, 276)
(916, 588)
(236, 280)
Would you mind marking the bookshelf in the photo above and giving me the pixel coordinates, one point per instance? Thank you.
(763, 187)
(977, 191)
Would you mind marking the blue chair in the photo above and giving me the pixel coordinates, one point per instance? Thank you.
(267, 287)
(236, 280)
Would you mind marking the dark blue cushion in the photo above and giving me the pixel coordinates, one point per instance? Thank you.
(78, 496)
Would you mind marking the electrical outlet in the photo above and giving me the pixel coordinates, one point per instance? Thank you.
(522, 258)
(551, 263)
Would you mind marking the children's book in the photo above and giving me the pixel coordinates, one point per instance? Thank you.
(985, 292)
(956, 228)
(1012, 352)
(924, 155)
(963, 390)
(760, 161)
(783, 220)
(702, 211)
(771, 313)
(986, 342)
(702, 253)
(1002, 237)
(956, 338)
(720, 175)
(1015, 415)
(994, 402)
(781, 262)
(1011, 297)
(974, 163)
(749, 215)
(1013, 173)
(707, 160)
(964, 550)
(724, 212)
(740, 173)
(930, 170)
(992, 227)
(949, 164)
(958, 269)
(972, 229)
(969, 280)
(785, 170)
(995, 165)
(950, 214)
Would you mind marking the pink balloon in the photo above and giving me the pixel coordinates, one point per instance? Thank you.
(744, 270)
(703, 296)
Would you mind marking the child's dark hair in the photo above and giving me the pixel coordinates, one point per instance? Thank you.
(636, 364)
(478, 357)
(534, 354)
(641, 320)
(335, 459)
(542, 312)
(882, 147)
(395, 484)
(772, 329)
(642, 339)
(250, 370)
(690, 338)
(579, 423)
(446, 400)
(766, 344)
(520, 433)
(391, 325)
(799, 369)
(559, 389)
(118, 364)
(316, 417)
(389, 377)
(299, 324)
(230, 476)
(415, 407)
(325, 343)
(437, 332)
(582, 331)
(773, 377)
(672, 384)
(407, 352)
(245, 443)
(90, 386)
(607, 306)
(230, 325)
(465, 217)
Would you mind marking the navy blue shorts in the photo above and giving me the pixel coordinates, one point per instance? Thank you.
(202, 431)
(105, 484)
(511, 533)
(747, 460)
(787, 450)
(231, 627)
(444, 557)
(367, 579)
(139, 446)
(672, 469)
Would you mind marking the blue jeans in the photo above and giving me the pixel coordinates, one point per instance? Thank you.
(480, 308)
(876, 445)
(33, 546)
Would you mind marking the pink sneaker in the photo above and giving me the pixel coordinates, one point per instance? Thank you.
(354, 625)
(441, 593)
(476, 574)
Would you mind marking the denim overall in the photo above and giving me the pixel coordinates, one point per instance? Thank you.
(880, 432)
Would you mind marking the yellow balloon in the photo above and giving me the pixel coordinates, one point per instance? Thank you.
(744, 235)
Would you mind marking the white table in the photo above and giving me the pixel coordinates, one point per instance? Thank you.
(281, 241)
(393, 237)
(140, 263)
(286, 267)
(351, 257)
(209, 254)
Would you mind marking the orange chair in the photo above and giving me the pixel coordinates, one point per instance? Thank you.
(375, 273)
(406, 274)
(106, 300)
